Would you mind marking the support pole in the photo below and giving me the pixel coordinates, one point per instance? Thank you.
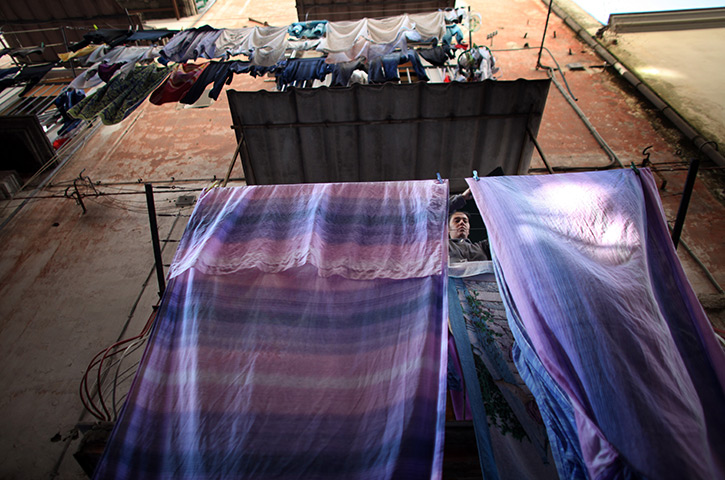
(685, 202)
(155, 238)
(176, 9)
(470, 379)
(234, 159)
(67, 49)
(543, 37)
(470, 33)
(539, 150)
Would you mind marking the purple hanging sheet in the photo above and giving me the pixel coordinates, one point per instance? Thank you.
(594, 287)
(301, 336)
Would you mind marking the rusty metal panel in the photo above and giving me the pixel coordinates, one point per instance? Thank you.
(30, 23)
(385, 132)
(46, 11)
(336, 10)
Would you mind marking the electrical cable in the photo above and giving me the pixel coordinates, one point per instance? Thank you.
(115, 347)
(130, 349)
(104, 415)
(85, 394)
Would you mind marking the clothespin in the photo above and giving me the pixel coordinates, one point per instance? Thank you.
(440, 180)
(634, 167)
(475, 175)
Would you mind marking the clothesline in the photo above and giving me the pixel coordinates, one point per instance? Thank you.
(377, 47)
(363, 51)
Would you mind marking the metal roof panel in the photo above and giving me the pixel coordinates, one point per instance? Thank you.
(32, 22)
(387, 132)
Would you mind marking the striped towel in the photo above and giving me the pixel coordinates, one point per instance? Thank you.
(301, 336)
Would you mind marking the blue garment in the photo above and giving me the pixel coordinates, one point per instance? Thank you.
(385, 68)
(376, 74)
(556, 409)
(436, 56)
(342, 72)
(303, 69)
(451, 32)
(64, 102)
(236, 66)
(220, 74)
(4, 72)
(390, 64)
(313, 29)
(151, 35)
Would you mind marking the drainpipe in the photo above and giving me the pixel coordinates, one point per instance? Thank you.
(708, 148)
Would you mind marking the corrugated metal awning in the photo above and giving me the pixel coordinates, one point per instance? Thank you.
(54, 23)
(367, 133)
(336, 10)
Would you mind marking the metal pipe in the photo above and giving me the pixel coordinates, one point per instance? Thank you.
(79, 199)
(543, 37)
(45, 105)
(32, 105)
(703, 267)
(5, 45)
(38, 106)
(176, 9)
(685, 201)
(34, 30)
(614, 160)
(680, 123)
(538, 149)
(19, 106)
(6, 95)
(234, 159)
(155, 238)
(67, 49)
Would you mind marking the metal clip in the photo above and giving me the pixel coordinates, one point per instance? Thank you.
(440, 180)
(475, 175)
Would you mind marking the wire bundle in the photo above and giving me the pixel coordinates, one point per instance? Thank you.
(94, 395)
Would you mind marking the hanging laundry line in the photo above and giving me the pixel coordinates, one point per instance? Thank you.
(363, 51)
(338, 42)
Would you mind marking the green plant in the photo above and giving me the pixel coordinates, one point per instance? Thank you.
(498, 411)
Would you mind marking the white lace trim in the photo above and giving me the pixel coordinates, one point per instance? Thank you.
(421, 256)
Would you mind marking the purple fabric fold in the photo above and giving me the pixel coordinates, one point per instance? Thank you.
(361, 230)
(591, 273)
